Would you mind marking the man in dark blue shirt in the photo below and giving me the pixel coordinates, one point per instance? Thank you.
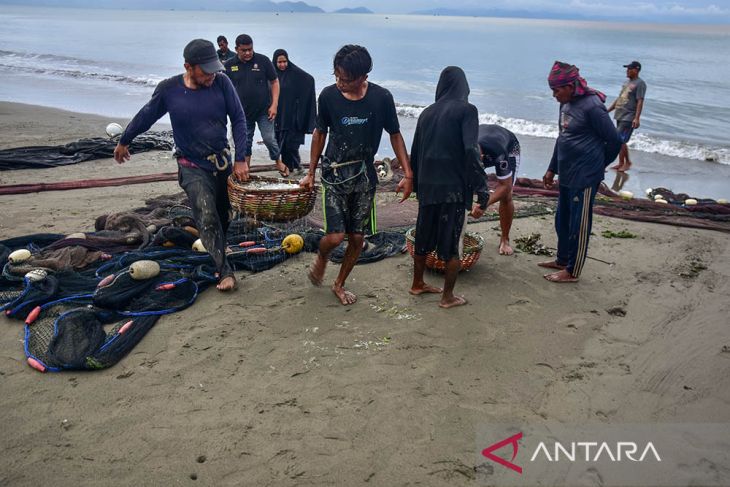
(199, 103)
(586, 144)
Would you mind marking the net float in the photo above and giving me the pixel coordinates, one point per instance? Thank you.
(627, 195)
(36, 275)
(114, 129)
(36, 364)
(722, 201)
(33, 315)
(649, 191)
(144, 269)
(690, 202)
(125, 326)
(19, 256)
(257, 250)
(293, 243)
(249, 243)
(664, 202)
(106, 281)
(198, 246)
(658, 197)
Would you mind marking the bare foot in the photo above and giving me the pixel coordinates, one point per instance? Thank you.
(505, 248)
(345, 296)
(226, 284)
(561, 276)
(624, 168)
(617, 167)
(450, 303)
(551, 264)
(316, 271)
(425, 289)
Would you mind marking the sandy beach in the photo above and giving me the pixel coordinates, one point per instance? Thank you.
(279, 385)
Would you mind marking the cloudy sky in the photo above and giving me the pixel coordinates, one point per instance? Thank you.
(651, 10)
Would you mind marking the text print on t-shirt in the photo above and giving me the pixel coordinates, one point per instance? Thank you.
(354, 121)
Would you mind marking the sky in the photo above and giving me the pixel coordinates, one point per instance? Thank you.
(649, 10)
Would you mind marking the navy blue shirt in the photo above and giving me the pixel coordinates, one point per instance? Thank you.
(198, 118)
(588, 142)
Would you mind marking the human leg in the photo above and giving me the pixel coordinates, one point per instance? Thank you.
(267, 129)
(354, 248)
(201, 188)
(562, 229)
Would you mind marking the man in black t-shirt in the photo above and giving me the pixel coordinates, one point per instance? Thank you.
(500, 149)
(354, 112)
(257, 86)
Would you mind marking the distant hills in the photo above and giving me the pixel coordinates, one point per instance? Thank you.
(358, 10)
(225, 5)
(488, 12)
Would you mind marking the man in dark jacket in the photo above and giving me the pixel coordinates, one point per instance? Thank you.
(586, 144)
(447, 173)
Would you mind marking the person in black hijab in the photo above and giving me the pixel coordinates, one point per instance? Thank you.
(297, 109)
(447, 173)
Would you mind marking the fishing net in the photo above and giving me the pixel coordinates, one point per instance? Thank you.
(36, 157)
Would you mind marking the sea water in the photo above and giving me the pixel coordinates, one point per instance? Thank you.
(109, 61)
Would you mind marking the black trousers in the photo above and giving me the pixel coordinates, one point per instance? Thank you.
(208, 195)
(289, 145)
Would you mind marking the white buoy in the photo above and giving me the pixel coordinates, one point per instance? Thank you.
(19, 256)
(36, 275)
(690, 202)
(658, 197)
(114, 129)
(722, 201)
(664, 202)
(144, 269)
(627, 195)
(198, 246)
(649, 191)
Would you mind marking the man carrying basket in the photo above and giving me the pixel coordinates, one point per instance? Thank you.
(354, 113)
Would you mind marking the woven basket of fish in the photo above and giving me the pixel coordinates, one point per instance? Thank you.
(473, 245)
(271, 199)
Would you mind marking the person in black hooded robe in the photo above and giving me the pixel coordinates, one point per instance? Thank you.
(447, 173)
(297, 108)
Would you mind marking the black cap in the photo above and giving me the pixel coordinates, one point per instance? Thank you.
(633, 65)
(203, 53)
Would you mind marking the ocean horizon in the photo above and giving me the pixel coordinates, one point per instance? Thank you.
(108, 62)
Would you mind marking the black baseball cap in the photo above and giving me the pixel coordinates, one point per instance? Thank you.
(633, 65)
(203, 53)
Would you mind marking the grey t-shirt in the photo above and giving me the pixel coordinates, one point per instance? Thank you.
(632, 91)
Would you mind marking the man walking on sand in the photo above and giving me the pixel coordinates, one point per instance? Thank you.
(257, 86)
(199, 103)
(447, 173)
(628, 106)
(587, 142)
(500, 149)
(354, 113)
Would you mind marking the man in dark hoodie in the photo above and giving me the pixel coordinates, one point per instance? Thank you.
(354, 112)
(447, 173)
(586, 144)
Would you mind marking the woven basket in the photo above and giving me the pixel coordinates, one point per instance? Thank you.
(275, 205)
(473, 245)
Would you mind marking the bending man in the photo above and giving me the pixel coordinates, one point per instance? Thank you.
(500, 149)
